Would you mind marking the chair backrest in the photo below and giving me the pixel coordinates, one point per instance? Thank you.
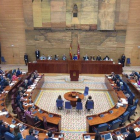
(68, 105)
(29, 119)
(136, 102)
(90, 105)
(86, 91)
(3, 59)
(102, 127)
(45, 122)
(125, 116)
(115, 124)
(59, 103)
(138, 139)
(9, 136)
(132, 110)
(79, 106)
(128, 61)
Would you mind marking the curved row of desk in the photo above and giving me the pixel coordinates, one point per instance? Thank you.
(5, 102)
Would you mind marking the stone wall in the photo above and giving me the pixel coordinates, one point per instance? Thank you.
(110, 43)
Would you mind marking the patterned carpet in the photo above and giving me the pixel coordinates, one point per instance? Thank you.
(73, 123)
(63, 82)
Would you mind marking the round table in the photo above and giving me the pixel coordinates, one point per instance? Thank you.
(73, 96)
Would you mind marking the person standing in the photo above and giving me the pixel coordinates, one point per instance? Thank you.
(26, 59)
(37, 54)
(123, 60)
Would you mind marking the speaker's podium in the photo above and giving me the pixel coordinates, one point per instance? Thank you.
(74, 75)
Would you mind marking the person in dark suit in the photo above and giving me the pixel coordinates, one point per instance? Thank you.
(89, 100)
(106, 58)
(118, 83)
(49, 136)
(86, 57)
(18, 72)
(123, 60)
(78, 100)
(98, 58)
(131, 135)
(3, 129)
(37, 54)
(26, 59)
(59, 99)
(97, 136)
(32, 136)
(30, 81)
(1, 89)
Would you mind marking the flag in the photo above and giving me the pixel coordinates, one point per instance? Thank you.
(70, 51)
(78, 51)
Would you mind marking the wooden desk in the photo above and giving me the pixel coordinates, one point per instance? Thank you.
(96, 119)
(132, 82)
(84, 67)
(134, 125)
(68, 96)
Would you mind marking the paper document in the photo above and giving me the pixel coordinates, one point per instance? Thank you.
(119, 104)
(29, 90)
(124, 101)
(120, 138)
(137, 129)
(12, 125)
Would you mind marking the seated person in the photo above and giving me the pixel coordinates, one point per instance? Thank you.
(3, 129)
(21, 89)
(138, 81)
(43, 57)
(97, 136)
(18, 135)
(1, 71)
(1, 77)
(131, 135)
(64, 57)
(118, 83)
(114, 137)
(135, 77)
(93, 58)
(49, 136)
(26, 84)
(75, 57)
(86, 57)
(1, 89)
(90, 58)
(56, 57)
(20, 104)
(106, 58)
(30, 81)
(14, 77)
(49, 57)
(6, 82)
(29, 111)
(31, 135)
(78, 100)
(18, 72)
(121, 86)
(89, 100)
(59, 99)
(132, 74)
(98, 58)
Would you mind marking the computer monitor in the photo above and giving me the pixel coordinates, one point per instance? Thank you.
(108, 136)
(123, 130)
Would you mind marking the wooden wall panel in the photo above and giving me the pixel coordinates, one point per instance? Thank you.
(46, 13)
(106, 15)
(12, 31)
(133, 33)
(28, 13)
(37, 14)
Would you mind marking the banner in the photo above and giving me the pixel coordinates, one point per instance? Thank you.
(78, 51)
(70, 51)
